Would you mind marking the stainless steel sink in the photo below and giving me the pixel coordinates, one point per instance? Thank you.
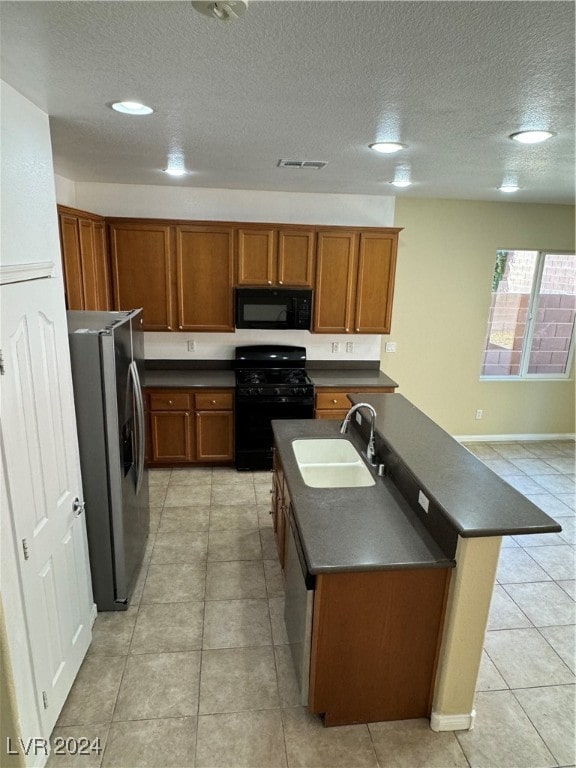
(331, 463)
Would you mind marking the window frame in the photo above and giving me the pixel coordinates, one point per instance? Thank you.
(523, 375)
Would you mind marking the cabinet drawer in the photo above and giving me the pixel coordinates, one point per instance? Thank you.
(169, 401)
(333, 401)
(214, 401)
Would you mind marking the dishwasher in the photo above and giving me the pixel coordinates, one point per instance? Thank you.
(298, 606)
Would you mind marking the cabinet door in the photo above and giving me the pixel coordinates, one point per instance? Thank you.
(87, 257)
(256, 257)
(205, 270)
(335, 281)
(171, 439)
(375, 287)
(296, 257)
(101, 267)
(71, 261)
(214, 435)
(142, 271)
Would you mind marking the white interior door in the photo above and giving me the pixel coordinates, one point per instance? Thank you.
(43, 479)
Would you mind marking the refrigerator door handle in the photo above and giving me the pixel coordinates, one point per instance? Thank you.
(139, 400)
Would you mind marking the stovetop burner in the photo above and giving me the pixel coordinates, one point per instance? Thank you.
(272, 376)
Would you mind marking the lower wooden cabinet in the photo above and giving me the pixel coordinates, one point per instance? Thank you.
(375, 642)
(334, 403)
(190, 426)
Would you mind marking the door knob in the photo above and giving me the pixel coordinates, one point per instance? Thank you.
(78, 506)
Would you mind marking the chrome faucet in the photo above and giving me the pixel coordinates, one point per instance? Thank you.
(370, 448)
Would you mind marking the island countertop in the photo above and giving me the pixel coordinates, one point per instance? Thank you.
(382, 527)
(352, 529)
(474, 500)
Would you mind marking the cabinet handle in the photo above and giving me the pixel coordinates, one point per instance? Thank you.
(357, 330)
(347, 330)
(334, 401)
(280, 282)
(170, 402)
(213, 402)
(269, 282)
(180, 327)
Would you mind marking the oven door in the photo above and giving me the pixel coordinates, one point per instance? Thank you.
(254, 437)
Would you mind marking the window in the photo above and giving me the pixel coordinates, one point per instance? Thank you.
(531, 323)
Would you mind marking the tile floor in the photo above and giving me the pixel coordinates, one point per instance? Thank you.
(197, 671)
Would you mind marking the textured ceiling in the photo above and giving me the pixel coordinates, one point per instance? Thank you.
(305, 80)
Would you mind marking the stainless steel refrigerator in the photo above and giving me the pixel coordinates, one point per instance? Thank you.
(107, 354)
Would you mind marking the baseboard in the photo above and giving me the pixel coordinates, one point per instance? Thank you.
(514, 438)
(440, 722)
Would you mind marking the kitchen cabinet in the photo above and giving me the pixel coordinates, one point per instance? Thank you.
(190, 426)
(354, 281)
(272, 256)
(143, 271)
(205, 278)
(182, 275)
(280, 507)
(84, 260)
(334, 404)
(375, 641)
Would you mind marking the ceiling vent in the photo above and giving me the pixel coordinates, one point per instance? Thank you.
(315, 165)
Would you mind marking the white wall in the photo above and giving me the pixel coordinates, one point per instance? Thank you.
(65, 191)
(233, 205)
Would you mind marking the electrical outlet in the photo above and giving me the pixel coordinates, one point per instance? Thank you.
(191, 346)
(390, 346)
(479, 413)
(335, 346)
(349, 346)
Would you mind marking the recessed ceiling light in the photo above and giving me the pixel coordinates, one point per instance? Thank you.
(508, 187)
(531, 137)
(132, 108)
(175, 171)
(401, 183)
(387, 147)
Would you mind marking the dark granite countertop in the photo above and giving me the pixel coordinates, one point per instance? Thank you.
(473, 499)
(344, 379)
(353, 529)
(189, 377)
(219, 373)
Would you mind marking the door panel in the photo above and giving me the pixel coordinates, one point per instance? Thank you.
(256, 257)
(335, 281)
(142, 271)
(205, 266)
(70, 244)
(42, 467)
(296, 258)
(89, 277)
(375, 284)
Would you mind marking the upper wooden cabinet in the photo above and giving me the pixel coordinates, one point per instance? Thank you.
(273, 256)
(205, 278)
(142, 271)
(354, 281)
(182, 275)
(84, 259)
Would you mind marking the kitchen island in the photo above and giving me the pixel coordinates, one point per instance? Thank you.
(437, 510)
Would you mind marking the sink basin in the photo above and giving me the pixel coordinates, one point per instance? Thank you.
(331, 463)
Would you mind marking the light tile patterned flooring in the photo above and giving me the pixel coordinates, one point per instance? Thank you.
(197, 671)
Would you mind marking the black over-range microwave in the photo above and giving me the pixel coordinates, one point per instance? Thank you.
(274, 308)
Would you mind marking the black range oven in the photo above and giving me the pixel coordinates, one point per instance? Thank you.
(271, 383)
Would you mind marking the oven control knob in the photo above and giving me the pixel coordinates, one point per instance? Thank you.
(276, 391)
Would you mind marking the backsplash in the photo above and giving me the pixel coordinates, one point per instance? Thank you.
(220, 346)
